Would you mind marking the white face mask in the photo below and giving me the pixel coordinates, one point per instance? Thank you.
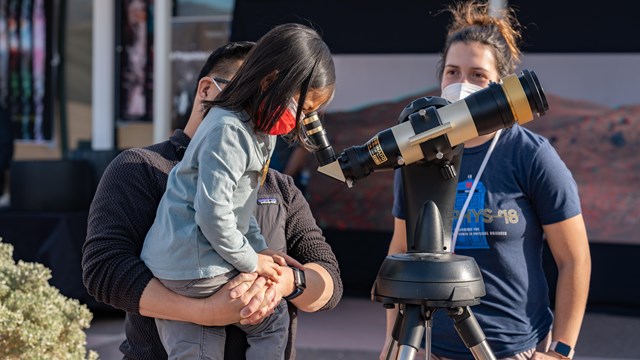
(458, 91)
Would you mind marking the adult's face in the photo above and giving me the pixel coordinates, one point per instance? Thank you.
(472, 63)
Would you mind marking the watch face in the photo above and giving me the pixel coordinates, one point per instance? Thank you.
(562, 349)
(301, 280)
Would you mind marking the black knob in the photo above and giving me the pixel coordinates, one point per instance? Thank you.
(448, 171)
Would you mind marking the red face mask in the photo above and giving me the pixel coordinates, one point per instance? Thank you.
(287, 121)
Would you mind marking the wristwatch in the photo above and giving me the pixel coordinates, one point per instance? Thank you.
(300, 282)
(562, 349)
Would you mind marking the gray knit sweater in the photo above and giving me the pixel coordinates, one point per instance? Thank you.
(122, 212)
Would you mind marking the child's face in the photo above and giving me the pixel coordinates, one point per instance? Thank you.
(316, 99)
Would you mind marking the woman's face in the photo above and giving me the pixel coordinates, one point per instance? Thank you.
(472, 63)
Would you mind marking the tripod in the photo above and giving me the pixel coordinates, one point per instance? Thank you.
(427, 146)
(428, 277)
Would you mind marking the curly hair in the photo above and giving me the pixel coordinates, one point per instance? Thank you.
(471, 21)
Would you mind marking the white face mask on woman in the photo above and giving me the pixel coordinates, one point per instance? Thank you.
(458, 91)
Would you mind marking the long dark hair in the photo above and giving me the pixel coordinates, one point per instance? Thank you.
(295, 58)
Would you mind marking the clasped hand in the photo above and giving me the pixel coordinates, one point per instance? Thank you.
(257, 294)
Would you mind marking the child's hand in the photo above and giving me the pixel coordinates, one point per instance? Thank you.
(268, 268)
(283, 259)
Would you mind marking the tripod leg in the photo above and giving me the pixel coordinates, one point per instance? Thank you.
(471, 333)
(392, 352)
(411, 332)
(427, 333)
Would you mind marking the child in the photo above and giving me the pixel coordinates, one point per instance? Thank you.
(204, 232)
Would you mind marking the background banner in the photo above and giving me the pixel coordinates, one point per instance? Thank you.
(25, 50)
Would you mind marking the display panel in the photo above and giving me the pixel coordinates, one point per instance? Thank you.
(134, 63)
(25, 50)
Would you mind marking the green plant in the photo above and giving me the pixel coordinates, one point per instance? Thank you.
(36, 320)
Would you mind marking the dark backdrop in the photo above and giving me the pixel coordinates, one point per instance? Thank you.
(414, 26)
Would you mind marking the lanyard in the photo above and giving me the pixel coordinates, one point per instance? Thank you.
(473, 188)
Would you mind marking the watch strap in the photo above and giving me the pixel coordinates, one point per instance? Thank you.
(562, 349)
(300, 283)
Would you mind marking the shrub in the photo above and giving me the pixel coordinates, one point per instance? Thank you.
(36, 321)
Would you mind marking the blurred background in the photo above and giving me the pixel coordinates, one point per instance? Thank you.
(82, 80)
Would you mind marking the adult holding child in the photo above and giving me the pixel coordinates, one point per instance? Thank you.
(125, 206)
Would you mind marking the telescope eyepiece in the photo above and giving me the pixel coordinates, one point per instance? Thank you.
(316, 138)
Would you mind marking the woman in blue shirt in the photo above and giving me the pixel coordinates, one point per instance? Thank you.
(525, 194)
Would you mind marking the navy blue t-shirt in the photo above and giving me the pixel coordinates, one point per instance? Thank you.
(525, 185)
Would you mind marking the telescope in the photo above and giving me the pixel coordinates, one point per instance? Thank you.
(425, 146)
(430, 132)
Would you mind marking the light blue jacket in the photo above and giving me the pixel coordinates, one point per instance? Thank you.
(204, 224)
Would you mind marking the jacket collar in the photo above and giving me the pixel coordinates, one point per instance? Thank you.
(180, 141)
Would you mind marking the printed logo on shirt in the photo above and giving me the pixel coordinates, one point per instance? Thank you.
(472, 233)
(267, 201)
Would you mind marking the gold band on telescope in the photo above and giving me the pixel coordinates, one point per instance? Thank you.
(311, 119)
(517, 99)
(314, 130)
